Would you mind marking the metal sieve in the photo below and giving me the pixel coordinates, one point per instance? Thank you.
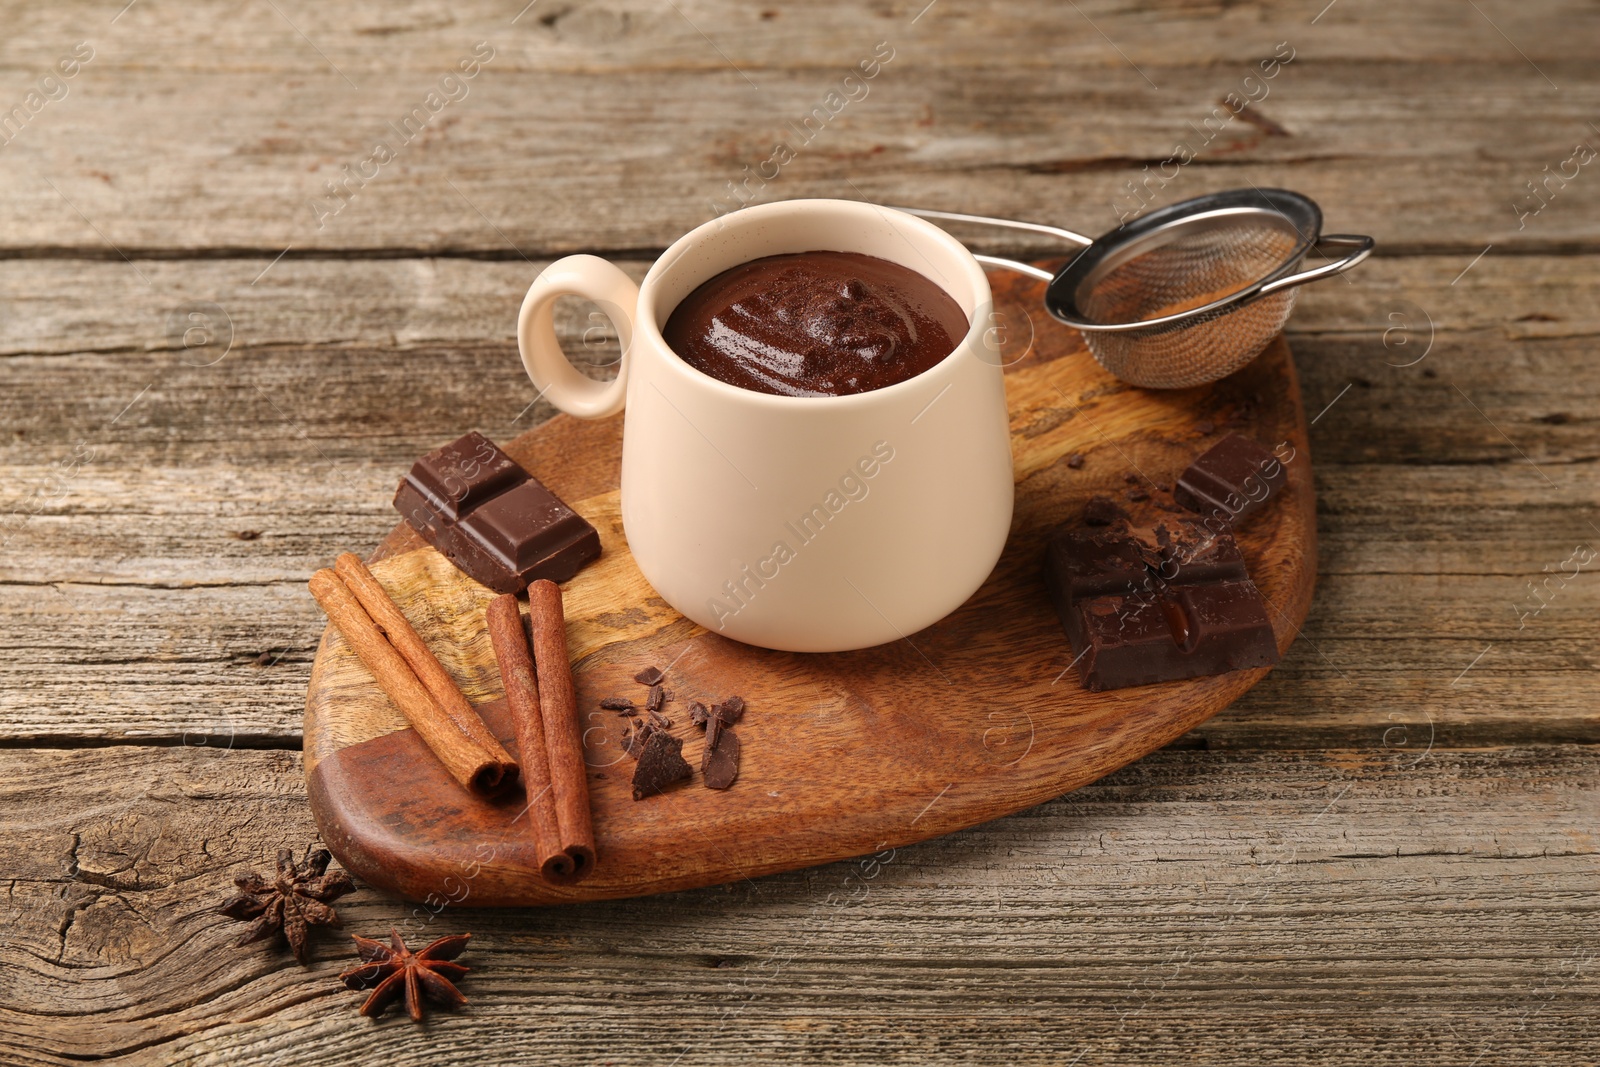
(1191, 292)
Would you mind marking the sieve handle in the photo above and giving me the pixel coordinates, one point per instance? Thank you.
(1361, 247)
(1009, 224)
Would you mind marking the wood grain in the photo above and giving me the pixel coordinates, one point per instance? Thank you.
(1149, 918)
(1045, 116)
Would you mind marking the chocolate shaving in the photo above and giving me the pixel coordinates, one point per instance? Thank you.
(731, 710)
(649, 676)
(714, 729)
(661, 765)
(720, 764)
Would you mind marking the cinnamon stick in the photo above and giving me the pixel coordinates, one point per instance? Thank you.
(563, 735)
(522, 694)
(415, 651)
(467, 762)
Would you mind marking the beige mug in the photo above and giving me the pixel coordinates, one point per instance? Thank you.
(808, 524)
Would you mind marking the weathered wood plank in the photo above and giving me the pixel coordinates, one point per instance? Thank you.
(1046, 114)
(1296, 888)
(287, 404)
(230, 663)
(68, 306)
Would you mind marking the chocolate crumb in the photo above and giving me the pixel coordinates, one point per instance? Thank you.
(247, 535)
(1075, 461)
(1136, 494)
(266, 659)
(720, 765)
(1132, 478)
(649, 676)
(698, 714)
(661, 764)
(617, 704)
(1101, 511)
(1165, 487)
(656, 698)
(1205, 426)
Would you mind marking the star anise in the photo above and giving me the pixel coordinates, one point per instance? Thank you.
(293, 902)
(397, 970)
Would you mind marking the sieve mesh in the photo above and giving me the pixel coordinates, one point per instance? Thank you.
(1188, 267)
(1240, 249)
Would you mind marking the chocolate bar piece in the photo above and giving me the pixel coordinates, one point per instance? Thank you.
(1143, 606)
(1230, 480)
(493, 519)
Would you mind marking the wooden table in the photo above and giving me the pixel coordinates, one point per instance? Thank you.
(214, 369)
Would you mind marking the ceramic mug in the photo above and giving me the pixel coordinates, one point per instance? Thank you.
(807, 524)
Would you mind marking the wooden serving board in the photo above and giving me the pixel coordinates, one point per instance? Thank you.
(843, 754)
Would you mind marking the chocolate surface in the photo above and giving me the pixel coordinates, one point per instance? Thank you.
(815, 324)
(493, 520)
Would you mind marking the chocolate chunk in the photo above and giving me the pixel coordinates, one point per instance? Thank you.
(660, 720)
(1199, 630)
(493, 520)
(617, 704)
(1102, 511)
(1230, 480)
(730, 711)
(1205, 426)
(661, 764)
(698, 714)
(656, 698)
(649, 676)
(1075, 461)
(720, 765)
(714, 729)
(1157, 605)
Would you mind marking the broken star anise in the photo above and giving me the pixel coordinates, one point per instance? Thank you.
(293, 902)
(397, 970)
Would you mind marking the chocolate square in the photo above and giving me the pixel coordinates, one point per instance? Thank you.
(497, 523)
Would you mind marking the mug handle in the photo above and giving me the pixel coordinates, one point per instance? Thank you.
(551, 372)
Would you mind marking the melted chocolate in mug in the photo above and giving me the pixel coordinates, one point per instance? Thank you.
(815, 324)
